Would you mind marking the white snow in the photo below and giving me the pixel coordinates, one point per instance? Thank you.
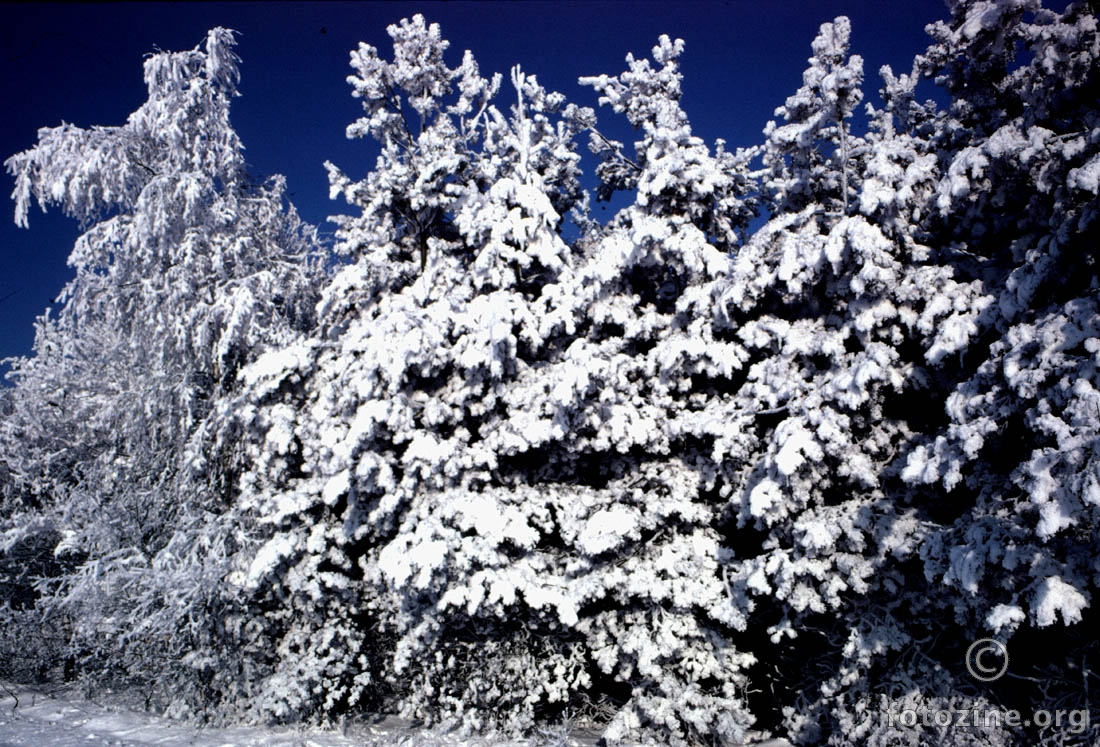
(1055, 597)
(267, 557)
(36, 718)
(1005, 616)
(61, 719)
(606, 529)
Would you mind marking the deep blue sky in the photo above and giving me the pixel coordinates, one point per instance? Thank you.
(83, 64)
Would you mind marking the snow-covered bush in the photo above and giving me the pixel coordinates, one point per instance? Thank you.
(33, 644)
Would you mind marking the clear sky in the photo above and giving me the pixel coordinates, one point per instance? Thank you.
(82, 63)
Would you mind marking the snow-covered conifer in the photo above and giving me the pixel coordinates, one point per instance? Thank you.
(372, 463)
(673, 174)
(620, 423)
(831, 299)
(1016, 202)
(941, 331)
(812, 157)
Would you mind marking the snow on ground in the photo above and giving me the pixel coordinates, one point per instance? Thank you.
(31, 717)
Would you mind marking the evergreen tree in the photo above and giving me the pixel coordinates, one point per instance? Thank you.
(936, 291)
(1015, 452)
(373, 463)
(812, 158)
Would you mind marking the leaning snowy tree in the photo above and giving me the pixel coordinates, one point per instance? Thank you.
(187, 269)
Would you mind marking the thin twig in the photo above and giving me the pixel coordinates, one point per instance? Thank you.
(617, 150)
(11, 692)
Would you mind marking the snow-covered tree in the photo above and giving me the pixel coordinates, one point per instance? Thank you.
(625, 422)
(187, 270)
(1016, 452)
(673, 174)
(838, 303)
(936, 335)
(463, 459)
(373, 468)
(812, 157)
